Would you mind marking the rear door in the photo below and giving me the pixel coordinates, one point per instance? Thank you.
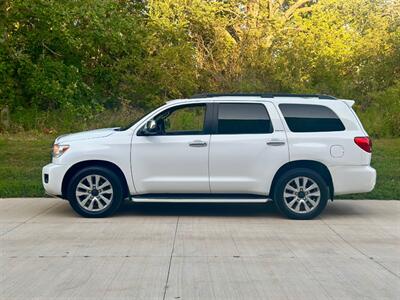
(247, 147)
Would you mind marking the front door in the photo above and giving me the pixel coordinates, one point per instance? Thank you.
(175, 160)
(247, 148)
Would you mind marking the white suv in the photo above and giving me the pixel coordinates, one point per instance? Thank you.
(297, 150)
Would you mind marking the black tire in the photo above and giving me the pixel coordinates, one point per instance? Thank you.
(116, 198)
(288, 177)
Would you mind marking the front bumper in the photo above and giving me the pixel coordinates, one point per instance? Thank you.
(52, 177)
(353, 179)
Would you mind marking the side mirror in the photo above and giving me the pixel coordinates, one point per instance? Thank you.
(150, 128)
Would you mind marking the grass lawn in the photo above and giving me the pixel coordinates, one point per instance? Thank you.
(386, 161)
(23, 155)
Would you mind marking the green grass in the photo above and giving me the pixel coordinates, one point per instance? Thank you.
(22, 157)
(386, 161)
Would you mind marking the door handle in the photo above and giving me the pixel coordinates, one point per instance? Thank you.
(275, 143)
(198, 144)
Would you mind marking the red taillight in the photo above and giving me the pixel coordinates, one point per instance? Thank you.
(364, 143)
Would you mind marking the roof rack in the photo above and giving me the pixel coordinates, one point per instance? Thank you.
(263, 95)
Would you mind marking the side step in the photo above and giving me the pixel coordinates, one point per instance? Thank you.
(199, 200)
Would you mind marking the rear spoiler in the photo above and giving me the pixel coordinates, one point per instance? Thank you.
(350, 103)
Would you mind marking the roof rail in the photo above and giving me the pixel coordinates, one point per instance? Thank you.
(263, 95)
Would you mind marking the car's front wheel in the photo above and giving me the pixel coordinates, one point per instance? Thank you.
(95, 192)
(301, 194)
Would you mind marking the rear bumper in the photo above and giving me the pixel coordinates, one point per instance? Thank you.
(353, 179)
(52, 177)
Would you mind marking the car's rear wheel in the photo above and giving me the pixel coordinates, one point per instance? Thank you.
(301, 194)
(95, 192)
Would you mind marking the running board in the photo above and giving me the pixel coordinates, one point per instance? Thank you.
(200, 200)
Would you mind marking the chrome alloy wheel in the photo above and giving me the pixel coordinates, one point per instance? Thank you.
(94, 193)
(301, 194)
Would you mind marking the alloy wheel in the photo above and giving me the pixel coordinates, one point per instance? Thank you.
(301, 194)
(94, 193)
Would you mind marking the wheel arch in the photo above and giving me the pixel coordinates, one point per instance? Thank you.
(94, 163)
(316, 166)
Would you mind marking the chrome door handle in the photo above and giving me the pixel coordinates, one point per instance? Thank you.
(198, 144)
(275, 143)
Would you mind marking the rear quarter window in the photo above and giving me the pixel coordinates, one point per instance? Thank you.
(310, 118)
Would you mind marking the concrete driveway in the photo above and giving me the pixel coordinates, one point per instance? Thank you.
(199, 251)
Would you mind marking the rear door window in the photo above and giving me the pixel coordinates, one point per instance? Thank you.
(310, 118)
(243, 118)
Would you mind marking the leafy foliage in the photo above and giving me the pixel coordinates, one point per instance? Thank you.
(82, 57)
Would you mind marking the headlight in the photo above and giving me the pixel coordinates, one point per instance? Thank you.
(59, 150)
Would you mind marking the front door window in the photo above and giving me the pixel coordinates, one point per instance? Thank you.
(186, 120)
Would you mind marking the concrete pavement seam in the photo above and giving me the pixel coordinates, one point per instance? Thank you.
(170, 259)
(361, 252)
(305, 266)
(27, 220)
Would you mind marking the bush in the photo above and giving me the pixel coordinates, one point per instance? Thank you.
(381, 118)
(77, 59)
(62, 121)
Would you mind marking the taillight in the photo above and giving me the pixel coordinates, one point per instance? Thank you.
(364, 143)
